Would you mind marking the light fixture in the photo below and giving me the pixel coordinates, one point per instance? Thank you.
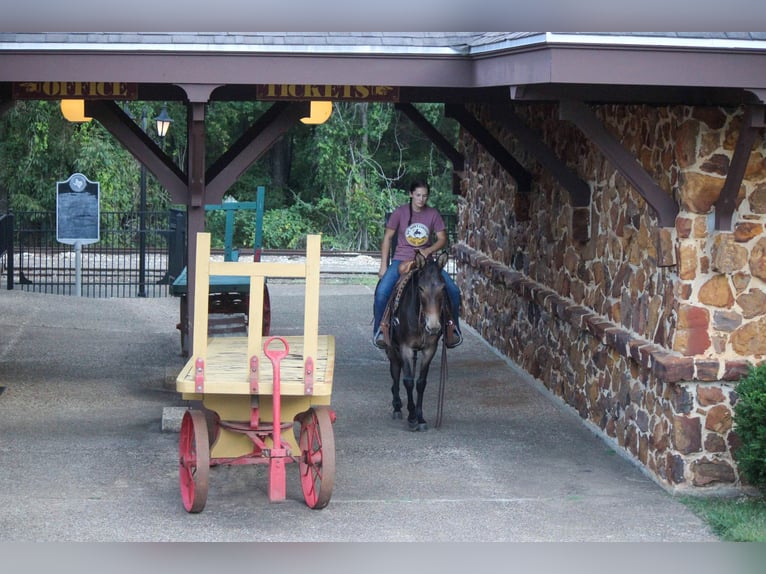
(74, 111)
(163, 122)
(320, 112)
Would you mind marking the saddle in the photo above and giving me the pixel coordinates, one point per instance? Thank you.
(406, 270)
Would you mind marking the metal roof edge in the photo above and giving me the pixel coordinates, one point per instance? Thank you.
(617, 40)
(233, 49)
(636, 40)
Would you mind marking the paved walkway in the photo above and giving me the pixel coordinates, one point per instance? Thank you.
(84, 457)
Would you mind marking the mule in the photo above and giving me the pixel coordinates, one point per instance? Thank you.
(416, 327)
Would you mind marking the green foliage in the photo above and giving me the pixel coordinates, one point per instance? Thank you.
(35, 152)
(244, 228)
(750, 424)
(351, 170)
(286, 228)
(359, 164)
(225, 123)
(740, 519)
(39, 147)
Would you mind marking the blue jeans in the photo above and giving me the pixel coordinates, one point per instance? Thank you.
(386, 286)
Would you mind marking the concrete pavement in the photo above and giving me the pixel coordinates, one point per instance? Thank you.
(84, 456)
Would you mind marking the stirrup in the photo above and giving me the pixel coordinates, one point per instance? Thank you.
(379, 339)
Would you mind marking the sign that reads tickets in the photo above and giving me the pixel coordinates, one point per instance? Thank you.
(327, 92)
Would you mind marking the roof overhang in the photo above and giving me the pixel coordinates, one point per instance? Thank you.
(530, 66)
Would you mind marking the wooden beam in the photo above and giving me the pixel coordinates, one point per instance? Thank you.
(583, 117)
(494, 148)
(143, 148)
(196, 136)
(256, 141)
(579, 191)
(195, 203)
(752, 121)
(444, 146)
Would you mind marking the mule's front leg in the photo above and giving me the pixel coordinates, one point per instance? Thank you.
(421, 422)
(425, 363)
(396, 402)
(414, 417)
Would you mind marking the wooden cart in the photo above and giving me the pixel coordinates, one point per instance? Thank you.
(266, 400)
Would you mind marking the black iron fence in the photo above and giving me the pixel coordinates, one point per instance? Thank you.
(6, 248)
(120, 264)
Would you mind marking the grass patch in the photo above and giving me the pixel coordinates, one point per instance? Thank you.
(340, 279)
(741, 519)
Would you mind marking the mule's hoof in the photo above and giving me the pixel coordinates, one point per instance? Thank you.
(396, 415)
(416, 426)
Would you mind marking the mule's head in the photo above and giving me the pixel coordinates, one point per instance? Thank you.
(431, 290)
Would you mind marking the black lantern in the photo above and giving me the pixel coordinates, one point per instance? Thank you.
(163, 122)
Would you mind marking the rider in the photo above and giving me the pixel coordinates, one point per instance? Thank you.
(413, 224)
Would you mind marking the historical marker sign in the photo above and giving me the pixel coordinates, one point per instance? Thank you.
(77, 210)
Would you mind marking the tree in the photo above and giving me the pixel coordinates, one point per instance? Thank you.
(339, 178)
(359, 165)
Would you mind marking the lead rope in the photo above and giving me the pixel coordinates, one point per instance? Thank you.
(442, 380)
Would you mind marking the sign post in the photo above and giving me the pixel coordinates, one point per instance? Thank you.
(77, 217)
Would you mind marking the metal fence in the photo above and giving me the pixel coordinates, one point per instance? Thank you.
(6, 248)
(34, 260)
(112, 267)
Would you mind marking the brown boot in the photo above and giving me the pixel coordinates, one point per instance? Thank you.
(379, 340)
(453, 337)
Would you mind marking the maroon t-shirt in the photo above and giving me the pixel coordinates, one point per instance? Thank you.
(418, 233)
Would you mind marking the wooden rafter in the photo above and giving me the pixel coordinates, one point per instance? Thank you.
(252, 145)
(130, 135)
(752, 121)
(579, 191)
(583, 117)
(444, 146)
(436, 137)
(494, 148)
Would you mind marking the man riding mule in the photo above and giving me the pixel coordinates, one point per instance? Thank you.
(413, 225)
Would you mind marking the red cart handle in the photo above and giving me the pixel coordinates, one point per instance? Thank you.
(276, 355)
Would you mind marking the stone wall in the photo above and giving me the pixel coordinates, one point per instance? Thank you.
(648, 354)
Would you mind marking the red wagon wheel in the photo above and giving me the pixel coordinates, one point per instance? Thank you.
(317, 462)
(194, 460)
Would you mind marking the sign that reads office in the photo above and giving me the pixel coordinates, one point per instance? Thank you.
(78, 90)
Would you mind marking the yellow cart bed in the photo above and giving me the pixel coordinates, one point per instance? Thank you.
(266, 399)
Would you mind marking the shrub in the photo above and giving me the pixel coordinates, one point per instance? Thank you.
(286, 228)
(750, 421)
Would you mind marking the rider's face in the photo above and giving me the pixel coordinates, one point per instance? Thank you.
(419, 197)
